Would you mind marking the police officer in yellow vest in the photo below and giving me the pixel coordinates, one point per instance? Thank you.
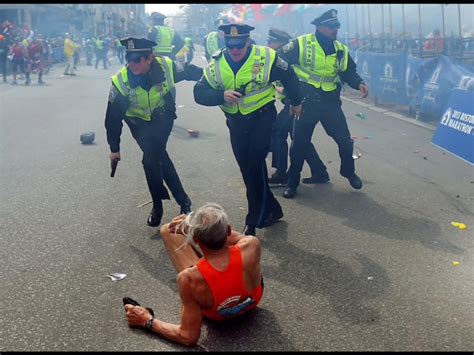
(320, 61)
(169, 42)
(215, 39)
(141, 95)
(284, 126)
(239, 79)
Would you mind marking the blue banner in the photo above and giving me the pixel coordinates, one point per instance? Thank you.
(455, 132)
(422, 84)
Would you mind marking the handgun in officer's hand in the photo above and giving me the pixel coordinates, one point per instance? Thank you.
(113, 165)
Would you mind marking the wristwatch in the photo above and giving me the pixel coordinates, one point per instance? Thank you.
(149, 324)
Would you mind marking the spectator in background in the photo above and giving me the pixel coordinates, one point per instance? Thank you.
(3, 56)
(435, 43)
(18, 58)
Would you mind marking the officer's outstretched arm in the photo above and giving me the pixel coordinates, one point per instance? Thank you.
(283, 72)
(183, 71)
(205, 95)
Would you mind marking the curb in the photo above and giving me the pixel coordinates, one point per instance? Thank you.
(392, 114)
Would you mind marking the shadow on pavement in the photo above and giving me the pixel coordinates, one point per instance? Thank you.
(346, 291)
(360, 212)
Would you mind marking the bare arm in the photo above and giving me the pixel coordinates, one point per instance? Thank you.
(188, 332)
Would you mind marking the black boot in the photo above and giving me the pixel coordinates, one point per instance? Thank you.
(272, 217)
(289, 193)
(355, 181)
(249, 230)
(316, 179)
(154, 219)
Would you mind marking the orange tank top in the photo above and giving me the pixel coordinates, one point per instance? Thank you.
(231, 298)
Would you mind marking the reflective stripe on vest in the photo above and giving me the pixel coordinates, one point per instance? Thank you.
(317, 69)
(142, 102)
(254, 75)
(212, 43)
(164, 38)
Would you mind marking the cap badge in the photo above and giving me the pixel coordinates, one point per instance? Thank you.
(334, 14)
(234, 31)
(131, 45)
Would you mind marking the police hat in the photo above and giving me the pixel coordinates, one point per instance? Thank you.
(327, 18)
(235, 34)
(157, 15)
(275, 35)
(221, 21)
(137, 45)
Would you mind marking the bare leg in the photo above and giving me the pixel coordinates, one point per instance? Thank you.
(181, 252)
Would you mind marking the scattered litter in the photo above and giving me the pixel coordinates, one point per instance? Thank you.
(425, 158)
(117, 276)
(457, 196)
(180, 106)
(144, 204)
(417, 151)
(356, 156)
(460, 225)
(241, 208)
(329, 161)
(456, 263)
(193, 133)
(368, 137)
(370, 278)
(88, 137)
(361, 115)
(354, 137)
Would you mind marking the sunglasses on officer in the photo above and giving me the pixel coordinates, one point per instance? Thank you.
(239, 45)
(135, 59)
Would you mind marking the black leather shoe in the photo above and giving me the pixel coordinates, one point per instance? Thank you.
(355, 182)
(154, 219)
(316, 179)
(186, 206)
(277, 179)
(272, 218)
(289, 193)
(249, 230)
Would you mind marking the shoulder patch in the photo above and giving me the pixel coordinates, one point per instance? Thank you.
(282, 64)
(113, 93)
(217, 53)
(288, 47)
(179, 67)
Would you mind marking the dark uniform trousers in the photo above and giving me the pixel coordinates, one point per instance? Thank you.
(284, 126)
(250, 137)
(152, 137)
(334, 122)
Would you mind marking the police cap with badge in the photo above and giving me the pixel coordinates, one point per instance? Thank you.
(157, 16)
(279, 36)
(327, 19)
(137, 47)
(235, 34)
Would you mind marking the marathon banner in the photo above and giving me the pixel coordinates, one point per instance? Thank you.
(422, 84)
(455, 132)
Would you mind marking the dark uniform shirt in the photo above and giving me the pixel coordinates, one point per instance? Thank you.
(205, 95)
(118, 104)
(177, 44)
(291, 53)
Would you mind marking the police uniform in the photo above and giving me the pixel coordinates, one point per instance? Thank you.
(146, 104)
(320, 63)
(213, 41)
(169, 42)
(251, 119)
(284, 127)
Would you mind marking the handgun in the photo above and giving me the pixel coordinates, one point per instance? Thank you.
(113, 165)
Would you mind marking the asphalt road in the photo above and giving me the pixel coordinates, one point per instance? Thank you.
(346, 270)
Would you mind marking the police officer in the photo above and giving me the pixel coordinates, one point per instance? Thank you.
(141, 95)
(283, 126)
(320, 60)
(215, 39)
(239, 79)
(169, 42)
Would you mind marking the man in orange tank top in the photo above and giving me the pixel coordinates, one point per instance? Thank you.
(219, 274)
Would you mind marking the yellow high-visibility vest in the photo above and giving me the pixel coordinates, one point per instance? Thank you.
(254, 76)
(212, 42)
(317, 69)
(164, 38)
(142, 102)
